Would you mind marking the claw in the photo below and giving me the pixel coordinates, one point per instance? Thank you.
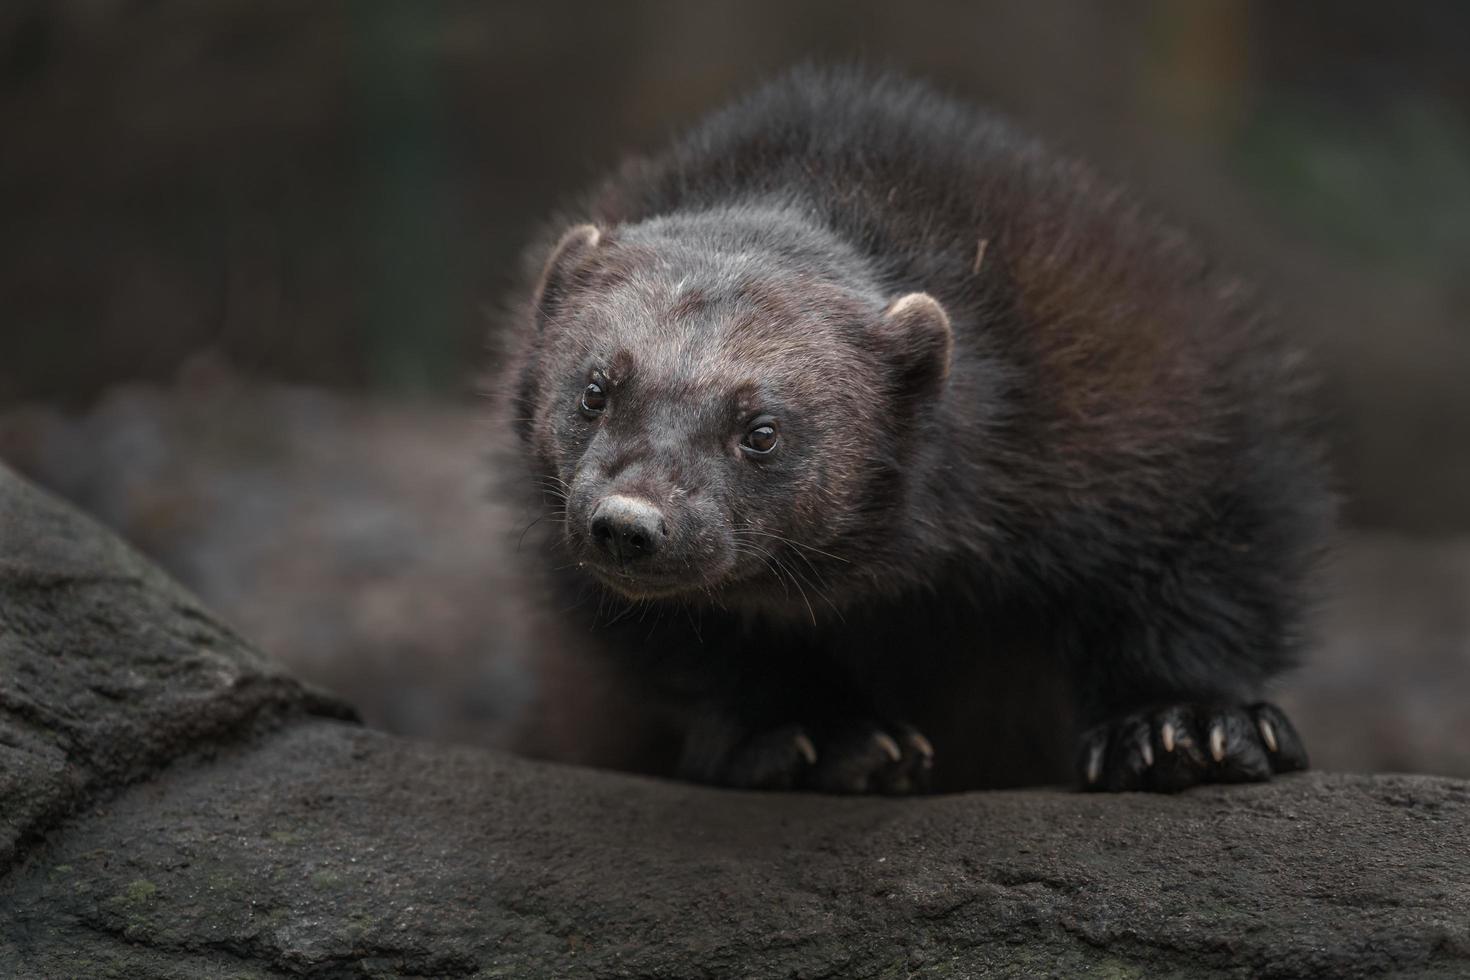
(1217, 743)
(888, 745)
(923, 746)
(1166, 736)
(806, 747)
(1268, 734)
(1094, 764)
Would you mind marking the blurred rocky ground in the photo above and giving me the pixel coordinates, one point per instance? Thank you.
(361, 541)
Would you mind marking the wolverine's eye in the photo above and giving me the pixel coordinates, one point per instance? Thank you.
(594, 399)
(762, 436)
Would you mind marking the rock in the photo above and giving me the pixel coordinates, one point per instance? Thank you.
(108, 670)
(175, 807)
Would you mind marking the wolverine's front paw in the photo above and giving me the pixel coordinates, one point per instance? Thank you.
(854, 757)
(1175, 747)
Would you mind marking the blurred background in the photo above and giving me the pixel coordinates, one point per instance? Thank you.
(253, 248)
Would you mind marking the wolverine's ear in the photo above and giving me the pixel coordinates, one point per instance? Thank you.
(568, 258)
(916, 336)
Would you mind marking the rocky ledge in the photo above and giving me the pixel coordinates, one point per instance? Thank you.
(172, 805)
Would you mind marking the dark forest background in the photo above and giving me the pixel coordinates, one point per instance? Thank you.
(249, 247)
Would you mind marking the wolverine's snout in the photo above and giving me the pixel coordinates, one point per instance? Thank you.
(627, 528)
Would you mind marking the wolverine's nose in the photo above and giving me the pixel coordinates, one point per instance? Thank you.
(627, 528)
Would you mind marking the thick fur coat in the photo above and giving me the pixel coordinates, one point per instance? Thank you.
(1042, 490)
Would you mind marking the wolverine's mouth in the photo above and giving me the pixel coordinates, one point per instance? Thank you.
(640, 585)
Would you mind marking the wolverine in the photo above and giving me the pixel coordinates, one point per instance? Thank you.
(913, 456)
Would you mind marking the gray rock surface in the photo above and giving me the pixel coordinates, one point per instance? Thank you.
(107, 668)
(172, 806)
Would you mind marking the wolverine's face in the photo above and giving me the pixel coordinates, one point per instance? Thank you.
(681, 475)
(707, 423)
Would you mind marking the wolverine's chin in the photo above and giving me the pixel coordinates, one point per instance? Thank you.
(634, 586)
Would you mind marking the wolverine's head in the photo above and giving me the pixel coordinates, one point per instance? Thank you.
(718, 403)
